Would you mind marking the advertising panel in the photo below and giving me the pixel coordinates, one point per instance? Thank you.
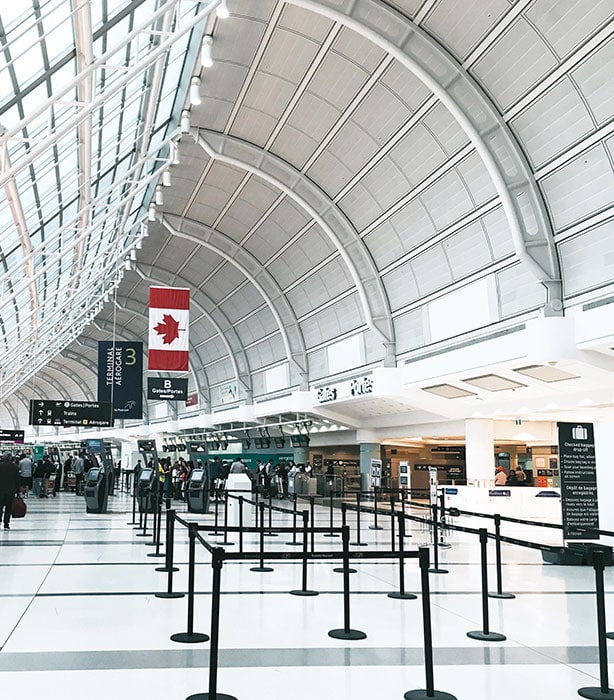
(120, 377)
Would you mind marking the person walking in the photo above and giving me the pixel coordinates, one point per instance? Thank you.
(10, 483)
(25, 470)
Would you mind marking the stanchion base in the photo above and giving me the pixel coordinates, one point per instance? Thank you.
(187, 638)
(261, 568)
(155, 554)
(422, 695)
(270, 534)
(402, 596)
(610, 635)
(150, 544)
(304, 593)
(438, 571)
(350, 634)
(170, 595)
(502, 596)
(487, 636)
(132, 523)
(359, 544)
(375, 527)
(595, 693)
(227, 544)
(165, 570)
(330, 534)
(143, 534)
(294, 544)
(341, 570)
(206, 696)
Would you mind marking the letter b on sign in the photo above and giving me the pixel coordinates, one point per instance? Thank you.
(167, 383)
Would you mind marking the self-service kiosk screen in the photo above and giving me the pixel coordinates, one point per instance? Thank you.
(198, 476)
(146, 475)
(92, 475)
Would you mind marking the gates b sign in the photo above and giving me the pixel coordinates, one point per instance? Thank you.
(167, 389)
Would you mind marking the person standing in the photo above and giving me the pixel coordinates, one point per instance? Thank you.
(500, 477)
(78, 468)
(9, 486)
(25, 471)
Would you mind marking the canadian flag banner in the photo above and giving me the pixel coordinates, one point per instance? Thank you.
(169, 319)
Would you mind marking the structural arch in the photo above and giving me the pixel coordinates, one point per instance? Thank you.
(503, 158)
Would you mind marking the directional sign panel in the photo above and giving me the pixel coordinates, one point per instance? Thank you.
(16, 436)
(94, 414)
(169, 389)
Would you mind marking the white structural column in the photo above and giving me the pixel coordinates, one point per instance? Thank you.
(479, 442)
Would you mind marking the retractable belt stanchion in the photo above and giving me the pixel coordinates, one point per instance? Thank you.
(330, 509)
(375, 526)
(312, 517)
(435, 568)
(217, 563)
(304, 591)
(262, 567)
(156, 540)
(225, 541)
(347, 632)
(499, 593)
(358, 543)
(485, 634)
(341, 569)
(269, 533)
(133, 504)
(240, 523)
(216, 532)
(294, 542)
(604, 690)
(392, 534)
(190, 637)
(144, 533)
(140, 524)
(170, 537)
(401, 594)
(429, 693)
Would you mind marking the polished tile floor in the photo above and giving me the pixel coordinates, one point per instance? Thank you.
(78, 618)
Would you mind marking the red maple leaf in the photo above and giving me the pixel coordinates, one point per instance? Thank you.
(168, 328)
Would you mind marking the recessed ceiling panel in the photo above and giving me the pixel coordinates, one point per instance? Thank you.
(447, 391)
(493, 382)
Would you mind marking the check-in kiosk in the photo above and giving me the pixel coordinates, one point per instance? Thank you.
(146, 490)
(198, 490)
(96, 490)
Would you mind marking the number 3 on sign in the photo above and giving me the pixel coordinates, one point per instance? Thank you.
(130, 357)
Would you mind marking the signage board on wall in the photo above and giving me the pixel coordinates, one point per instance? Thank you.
(16, 436)
(359, 386)
(120, 377)
(578, 474)
(376, 472)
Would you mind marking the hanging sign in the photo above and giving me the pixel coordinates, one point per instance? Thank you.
(167, 389)
(120, 377)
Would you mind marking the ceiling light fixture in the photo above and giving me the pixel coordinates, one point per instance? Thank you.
(185, 122)
(144, 229)
(222, 10)
(132, 254)
(175, 152)
(139, 244)
(205, 53)
(159, 196)
(166, 178)
(151, 212)
(127, 264)
(195, 98)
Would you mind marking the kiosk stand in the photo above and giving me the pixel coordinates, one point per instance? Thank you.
(96, 490)
(198, 490)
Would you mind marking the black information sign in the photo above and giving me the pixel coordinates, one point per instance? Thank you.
(16, 436)
(120, 377)
(95, 414)
(578, 481)
(146, 445)
(168, 389)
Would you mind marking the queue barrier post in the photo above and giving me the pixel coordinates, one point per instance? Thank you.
(603, 691)
(392, 518)
(225, 541)
(485, 634)
(401, 594)
(435, 569)
(312, 519)
(375, 526)
(190, 637)
(429, 693)
(499, 593)
(170, 542)
(133, 522)
(156, 538)
(269, 533)
(217, 563)
(304, 591)
(294, 542)
(144, 525)
(330, 510)
(241, 524)
(358, 543)
(262, 568)
(341, 569)
(347, 632)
